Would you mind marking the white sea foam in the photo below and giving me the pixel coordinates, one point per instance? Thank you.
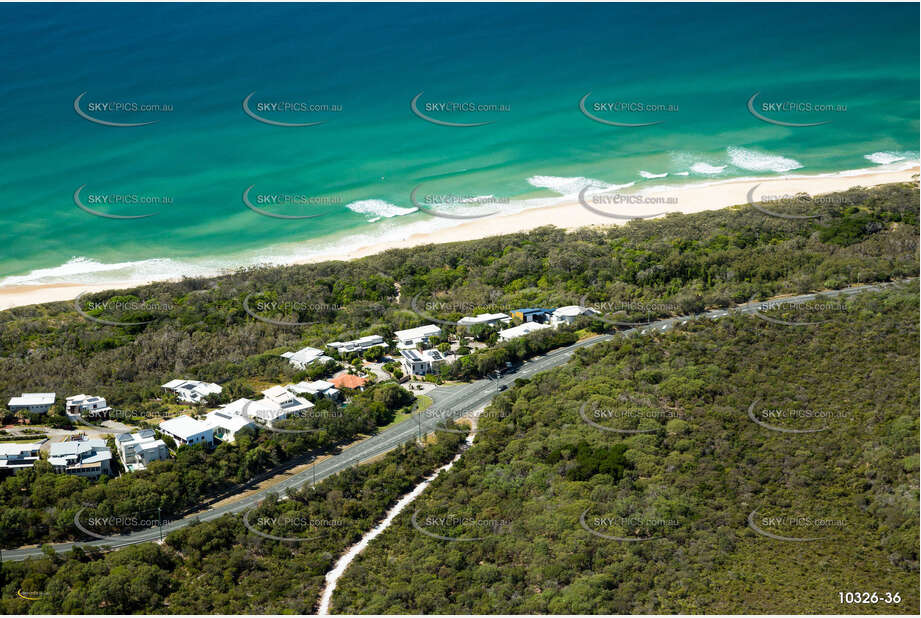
(572, 185)
(682, 173)
(884, 158)
(705, 168)
(646, 174)
(85, 270)
(379, 208)
(760, 162)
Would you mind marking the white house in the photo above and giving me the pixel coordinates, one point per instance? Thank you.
(77, 405)
(521, 330)
(186, 430)
(88, 458)
(278, 404)
(317, 388)
(228, 420)
(137, 450)
(420, 363)
(569, 313)
(32, 402)
(192, 391)
(306, 356)
(358, 345)
(413, 337)
(485, 318)
(18, 456)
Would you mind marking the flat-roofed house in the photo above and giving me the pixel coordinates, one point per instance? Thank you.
(186, 430)
(138, 450)
(358, 345)
(521, 330)
(227, 421)
(532, 314)
(413, 337)
(78, 405)
(19, 456)
(306, 357)
(490, 319)
(278, 404)
(317, 388)
(38, 403)
(421, 363)
(88, 458)
(192, 391)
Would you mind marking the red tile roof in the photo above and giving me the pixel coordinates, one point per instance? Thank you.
(347, 380)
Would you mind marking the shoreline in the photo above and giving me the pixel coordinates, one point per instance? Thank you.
(568, 214)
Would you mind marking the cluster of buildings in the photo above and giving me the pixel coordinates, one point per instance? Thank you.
(90, 458)
(411, 342)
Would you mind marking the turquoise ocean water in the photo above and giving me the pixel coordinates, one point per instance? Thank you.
(693, 66)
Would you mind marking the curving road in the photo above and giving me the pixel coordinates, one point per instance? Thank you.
(449, 401)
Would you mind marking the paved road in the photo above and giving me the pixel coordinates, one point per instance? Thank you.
(453, 401)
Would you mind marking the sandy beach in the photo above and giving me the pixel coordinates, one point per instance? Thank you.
(566, 215)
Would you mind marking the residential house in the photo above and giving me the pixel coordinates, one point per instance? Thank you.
(192, 391)
(317, 388)
(278, 404)
(38, 403)
(88, 458)
(229, 419)
(569, 314)
(18, 456)
(521, 330)
(358, 345)
(78, 405)
(186, 430)
(489, 319)
(138, 450)
(348, 380)
(421, 363)
(541, 316)
(305, 357)
(413, 337)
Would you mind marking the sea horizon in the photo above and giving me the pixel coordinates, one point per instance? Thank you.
(352, 176)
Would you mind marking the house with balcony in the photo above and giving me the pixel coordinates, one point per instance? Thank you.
(89, 458)
(138, 450)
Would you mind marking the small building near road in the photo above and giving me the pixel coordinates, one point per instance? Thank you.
(569, 314)
(186, 430)
(421, 363)
(541, 316)
(138, 450)
(36, 403)
(88, 458)
(521, 330)
(413, 337)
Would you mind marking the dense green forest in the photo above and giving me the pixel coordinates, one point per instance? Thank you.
(682, 491)
(199, 328)
(685, 482)
(222, 566)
